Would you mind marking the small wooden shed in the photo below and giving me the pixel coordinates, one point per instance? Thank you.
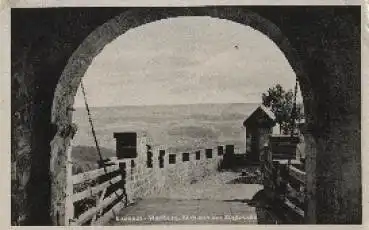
(259, 125)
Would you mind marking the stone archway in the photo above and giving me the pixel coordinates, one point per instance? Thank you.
(83, 56)
(327, 40)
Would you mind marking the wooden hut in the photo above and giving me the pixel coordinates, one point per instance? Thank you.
(259, 125)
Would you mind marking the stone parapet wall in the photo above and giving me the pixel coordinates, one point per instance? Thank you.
(142, 181)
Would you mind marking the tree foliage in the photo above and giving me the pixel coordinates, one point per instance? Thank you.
(280, 102)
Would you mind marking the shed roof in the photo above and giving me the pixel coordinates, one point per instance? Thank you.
(269, 114)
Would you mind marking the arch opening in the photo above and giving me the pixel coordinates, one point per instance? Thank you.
(93, 45)
(82, 58)
(195, 60)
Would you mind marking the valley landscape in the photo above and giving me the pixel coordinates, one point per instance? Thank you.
(177, 127)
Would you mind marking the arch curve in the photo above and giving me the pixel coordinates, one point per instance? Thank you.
(95, 42)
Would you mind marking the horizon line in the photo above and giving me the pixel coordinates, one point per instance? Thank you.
(138, 105)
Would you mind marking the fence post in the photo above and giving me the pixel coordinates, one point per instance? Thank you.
(69, 207)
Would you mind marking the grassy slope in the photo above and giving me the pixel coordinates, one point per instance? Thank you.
(86, 157)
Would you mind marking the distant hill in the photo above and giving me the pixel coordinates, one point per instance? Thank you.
(86, 157)
(178, 127)
(89, 153)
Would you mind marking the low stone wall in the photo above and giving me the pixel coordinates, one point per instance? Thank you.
(144, 178)
(191, 171)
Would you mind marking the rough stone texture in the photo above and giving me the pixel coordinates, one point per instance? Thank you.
(58, 171)
(322, 45)
(191, 171)
(143, 182)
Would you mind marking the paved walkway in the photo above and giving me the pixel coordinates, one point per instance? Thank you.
(168, 211)
(215, 200)
(214, 187)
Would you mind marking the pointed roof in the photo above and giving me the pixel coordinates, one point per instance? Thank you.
(261, 109)
(268, 112)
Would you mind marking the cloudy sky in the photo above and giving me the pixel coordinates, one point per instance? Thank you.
(184, 61)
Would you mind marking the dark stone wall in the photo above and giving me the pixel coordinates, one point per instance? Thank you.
(333, 64)
(41, 42)
(327, 39)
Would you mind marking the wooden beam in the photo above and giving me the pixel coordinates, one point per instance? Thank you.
(296, 209)
(90, 175)
(94, 218)
(297, 174)
(110, 214)
(94, 190)
(84, 217)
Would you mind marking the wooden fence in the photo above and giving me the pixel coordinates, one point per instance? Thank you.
(101, 193)
(285, 186)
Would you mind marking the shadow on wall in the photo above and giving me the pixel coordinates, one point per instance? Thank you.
(269, 211)
(247, 178)
(234, 162)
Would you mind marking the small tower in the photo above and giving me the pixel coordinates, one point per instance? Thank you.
(259, 125)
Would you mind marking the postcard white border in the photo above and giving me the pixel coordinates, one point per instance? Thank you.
(5, 42)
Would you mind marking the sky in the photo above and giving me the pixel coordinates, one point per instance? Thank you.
(186, 60)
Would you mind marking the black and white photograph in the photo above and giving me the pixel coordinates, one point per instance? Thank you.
(186, 115)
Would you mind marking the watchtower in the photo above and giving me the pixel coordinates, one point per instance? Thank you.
(259, 125)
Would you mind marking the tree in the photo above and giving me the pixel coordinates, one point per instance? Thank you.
(280, 102)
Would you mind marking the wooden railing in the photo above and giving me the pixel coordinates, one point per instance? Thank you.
(285, 184)
(103, 193)
(295, 197)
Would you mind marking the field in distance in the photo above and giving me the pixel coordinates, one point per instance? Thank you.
(179, 127)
